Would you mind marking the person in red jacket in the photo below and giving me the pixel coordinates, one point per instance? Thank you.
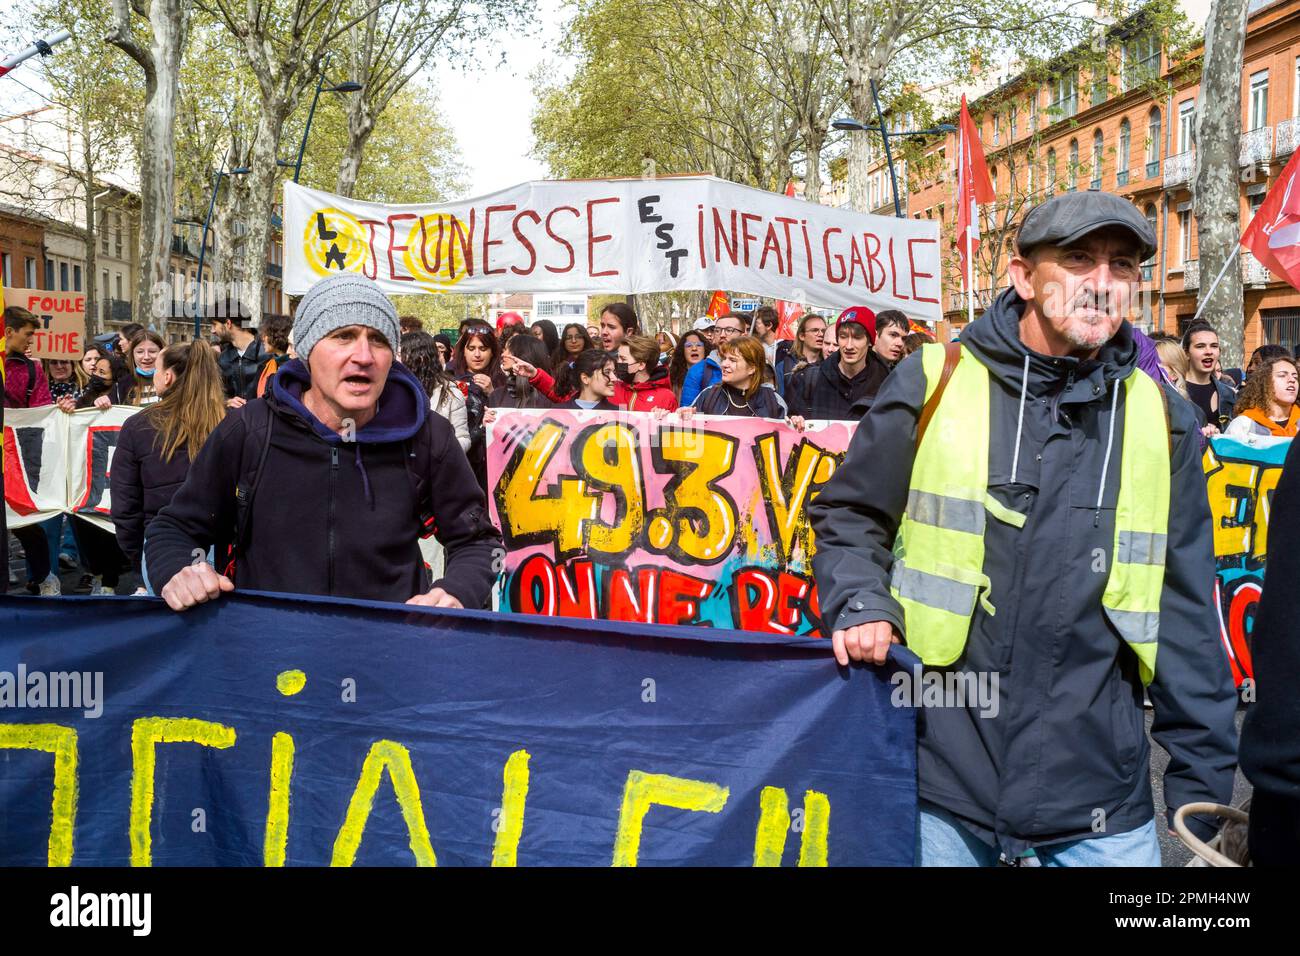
(642, 386)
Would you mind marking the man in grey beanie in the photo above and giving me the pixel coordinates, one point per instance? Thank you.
(326, 483)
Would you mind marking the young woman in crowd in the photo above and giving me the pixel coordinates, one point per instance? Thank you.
(97, 366)
(1265, 352)
(741, 390)
(529, 355)
(667, 346)
(644, 384)
(65, 376)
(443, 343)
(692, 349)
(594, 372)
(421, 356)
(138, 389)
(274, 334)
(1266, 404)
(573, 343)
(477, 359)
(155, 446)
(544, 329)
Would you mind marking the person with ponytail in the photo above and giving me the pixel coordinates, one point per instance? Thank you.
(156, 446)
(594, 373)
(138, 388)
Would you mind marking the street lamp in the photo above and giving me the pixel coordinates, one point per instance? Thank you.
(203, 242)
(349, 86)
(886, 135)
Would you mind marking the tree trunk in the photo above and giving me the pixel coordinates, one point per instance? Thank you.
(1217, 191)
(860, 143)
(361, 123)
(264, 183)
(813, 141)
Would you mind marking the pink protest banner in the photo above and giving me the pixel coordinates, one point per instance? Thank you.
(614, 516)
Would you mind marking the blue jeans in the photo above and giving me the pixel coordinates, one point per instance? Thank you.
(942, 841)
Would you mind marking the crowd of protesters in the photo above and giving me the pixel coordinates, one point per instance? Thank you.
(297, 406)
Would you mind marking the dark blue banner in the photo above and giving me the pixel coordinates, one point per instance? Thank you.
(267, 730)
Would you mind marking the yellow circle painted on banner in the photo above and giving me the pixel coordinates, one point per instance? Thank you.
(335, 241)
(660, 533)
(435, 253)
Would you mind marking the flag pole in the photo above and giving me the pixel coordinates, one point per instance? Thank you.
(1215, 284)
(970, 266)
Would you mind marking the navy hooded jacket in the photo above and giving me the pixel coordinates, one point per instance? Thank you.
(332, 516)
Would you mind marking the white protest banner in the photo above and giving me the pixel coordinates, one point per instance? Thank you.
(59, 463)
(61, 334)
(619, 236)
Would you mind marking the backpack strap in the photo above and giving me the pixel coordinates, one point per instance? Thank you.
(951, 356)
(258, 423)
(31, 378)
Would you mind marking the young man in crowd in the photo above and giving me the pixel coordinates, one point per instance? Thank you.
(27, 387)
(319, 488)
(892, 327)
(1052, 483)
(843, 385)
(240, 358)
(1214, 396)
(709, 372)
(704, 325)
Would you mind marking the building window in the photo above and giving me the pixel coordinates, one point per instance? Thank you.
(1098, 147)
(1150, 261)
(1184, 237)
(1295, 96)
(1258, 100)
(997, 129)
(119, 285)
(1139, 61)
(1153, 143)
(1031, 161)
(1065, 95)
(1186, 125)
(117, 234)
(63, 277)
(1072, 172)
(1033, 105)
(76, 278)
(1122, 160)
(1051, 172)
(103, 232)
(49, 275)
(1099, 87)
(6, 269)
(29, 272)
(1015, 113)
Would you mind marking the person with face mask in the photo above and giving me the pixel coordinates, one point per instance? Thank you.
(642, 384)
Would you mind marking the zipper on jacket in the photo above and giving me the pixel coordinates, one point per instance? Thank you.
(334, 476)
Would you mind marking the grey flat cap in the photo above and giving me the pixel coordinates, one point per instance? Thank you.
(1065, 219)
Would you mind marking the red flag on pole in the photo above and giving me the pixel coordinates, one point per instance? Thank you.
(718, 305)
(973, 187)
(788, 313)
(1273, 236)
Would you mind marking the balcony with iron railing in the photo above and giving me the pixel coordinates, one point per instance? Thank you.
(115, 310)
(1256, 147)
(1253, 272)
(1178, 169)
(983, 299)
(1191, 274)
(1288, 137)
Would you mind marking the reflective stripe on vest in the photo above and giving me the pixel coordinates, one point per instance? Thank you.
(939, 551)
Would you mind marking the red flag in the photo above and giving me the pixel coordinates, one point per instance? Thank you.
(718, 305)
(973, 184)
(1274, 234)
(789, 314)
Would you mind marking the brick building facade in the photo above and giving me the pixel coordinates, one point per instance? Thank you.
(1084, 131)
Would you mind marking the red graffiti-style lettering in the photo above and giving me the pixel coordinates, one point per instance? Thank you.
(523, 241)
(560, 239)
(593, 240)
(489, 242)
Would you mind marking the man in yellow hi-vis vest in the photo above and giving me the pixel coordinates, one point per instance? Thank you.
(1028, 514)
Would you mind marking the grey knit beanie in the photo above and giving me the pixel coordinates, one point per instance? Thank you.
(338, 301)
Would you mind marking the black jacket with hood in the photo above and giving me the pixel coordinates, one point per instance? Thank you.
(1066, 751)
(821, 391)
(239, 373)
(331, 516)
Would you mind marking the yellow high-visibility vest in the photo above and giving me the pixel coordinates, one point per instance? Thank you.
(938, 570)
